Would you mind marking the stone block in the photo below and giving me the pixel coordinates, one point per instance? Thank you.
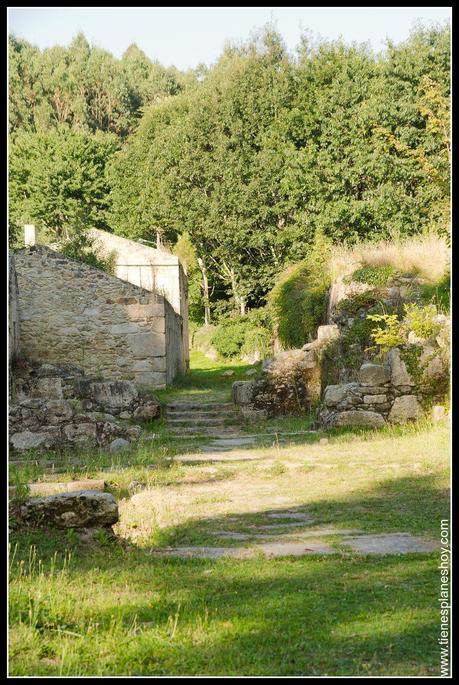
(405, 408)
(144, 345)
(354, 417)
(150, 379)
(242, 392)
(329, 332)
(81, 433)
(122, 328)
(26, 440)
(398, 372)
(373, 374)
(57, 411)
(251, 414)
(334, 394)
(374, 399)
(82, 509)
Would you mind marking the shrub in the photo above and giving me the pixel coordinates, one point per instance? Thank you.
(201, 338)
(373, 275)
(438, 293)
(81, 248)
(229, 338)
(390, 334)
(244, 335)
(352, 305)
(420, 320)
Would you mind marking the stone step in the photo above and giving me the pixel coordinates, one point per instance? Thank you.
(214, 421)
(201, 414)
(200, 406)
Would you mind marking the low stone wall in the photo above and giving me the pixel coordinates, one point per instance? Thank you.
(13, 318)
(58, 407)
(71, 312)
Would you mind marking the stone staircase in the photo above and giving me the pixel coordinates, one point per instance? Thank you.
(203, 419)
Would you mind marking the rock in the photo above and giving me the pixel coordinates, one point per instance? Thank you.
(265, 365)
(250, 414)
(109, 395)
(329, 332)
(125, 415)
(228, 373)
(242, 392)
(133, 432)
(250, 372)
(373, 374)
(57, 411)
(398, 372)
(438, 413)
(354, 417)
(334, 394)
(119, 444)
(405, 408)
(49, 388)
(136, 485)
(82, 509)
(374, 399)
(81, 433)
(147, 411)
(414, 339)
(26, 440)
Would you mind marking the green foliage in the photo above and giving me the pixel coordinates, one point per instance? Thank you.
(389, 334)
(202, 338)
(373, 275)
(57, 182)
(420, 319)
(357, 303)
(438, 293)
(81, 248)
(244, 335)
(298, 300)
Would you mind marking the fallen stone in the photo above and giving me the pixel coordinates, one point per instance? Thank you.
(353, 417)
(405, 408)
(109, 395)
(125, 415)
(82, 509)
(390, 543)
(373, 374)
(228, 373)
(250, 372)
(119, 444)
(81, 433)
(57, 411)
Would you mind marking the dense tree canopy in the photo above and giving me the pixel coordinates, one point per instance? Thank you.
(251, 159)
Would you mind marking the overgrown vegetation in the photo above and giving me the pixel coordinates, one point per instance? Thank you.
(239, 167)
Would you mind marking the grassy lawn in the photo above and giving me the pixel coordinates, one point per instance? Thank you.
(117, 609)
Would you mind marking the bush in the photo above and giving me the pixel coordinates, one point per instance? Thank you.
(81, 248)
(377, 276)
(245, 335)
(201, 338)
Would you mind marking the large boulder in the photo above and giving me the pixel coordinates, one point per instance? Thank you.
(82, 509)
(398, 372)
(148, 410)
(373, 374)
(354, 417)
(405, 408)
(326, 333)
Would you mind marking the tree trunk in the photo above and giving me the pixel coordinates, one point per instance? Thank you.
(205, 290)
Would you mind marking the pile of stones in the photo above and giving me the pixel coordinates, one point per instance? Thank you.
(56, 406)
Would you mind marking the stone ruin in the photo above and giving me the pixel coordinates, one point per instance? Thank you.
(56, 406)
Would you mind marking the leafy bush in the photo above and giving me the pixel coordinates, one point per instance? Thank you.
(298, 301)
(244, 335)
(373, 275)
(420, 320)
(201, 338)
(390, 334)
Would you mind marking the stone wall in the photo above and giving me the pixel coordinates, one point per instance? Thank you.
(150, 268)
(13, 321)
(71, 312)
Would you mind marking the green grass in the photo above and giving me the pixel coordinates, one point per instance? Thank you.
(116, 609)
